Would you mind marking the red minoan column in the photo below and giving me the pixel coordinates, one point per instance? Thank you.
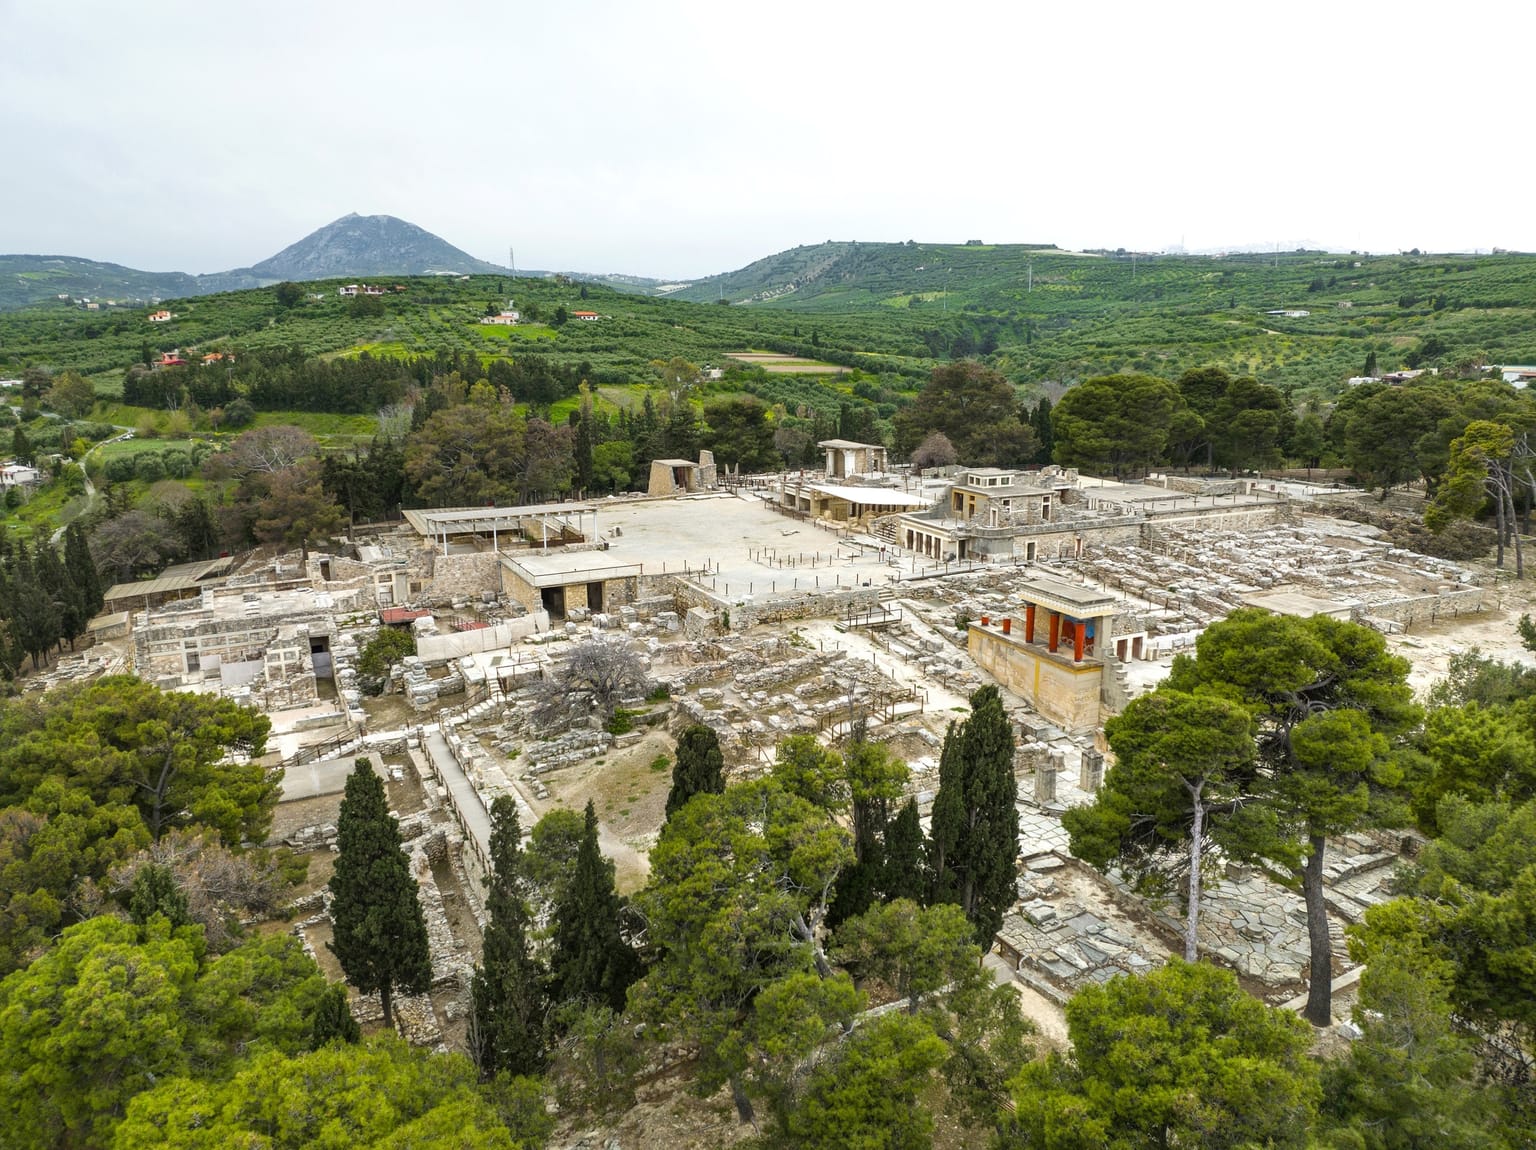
(1079, 637)
(1029, 623)
(1055, 630)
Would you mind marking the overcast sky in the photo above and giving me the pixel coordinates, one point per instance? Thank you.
(682, 139)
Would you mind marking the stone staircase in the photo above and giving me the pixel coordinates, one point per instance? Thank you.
(885, 530)
(1115, 687)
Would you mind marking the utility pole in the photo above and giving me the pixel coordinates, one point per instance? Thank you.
(512, 260)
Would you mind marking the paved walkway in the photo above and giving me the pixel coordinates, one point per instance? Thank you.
(465, 797)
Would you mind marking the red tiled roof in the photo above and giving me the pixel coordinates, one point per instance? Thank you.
(396, 615)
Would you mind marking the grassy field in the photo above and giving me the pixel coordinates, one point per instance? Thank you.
(525, 333)
(137, 446)
(321, 424)
(52, 507)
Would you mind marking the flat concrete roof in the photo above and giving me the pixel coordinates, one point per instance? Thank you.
(1051, 592)
(261, 608)
(1166, 500)
(874, 496)
(560, 567)
(848, 444)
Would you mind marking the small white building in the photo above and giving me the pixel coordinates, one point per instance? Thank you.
(19, 475)
(1518, 376)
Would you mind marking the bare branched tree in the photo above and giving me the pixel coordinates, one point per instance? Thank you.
(934, 451)
(593, 681)
(221, 887)
(269, 449)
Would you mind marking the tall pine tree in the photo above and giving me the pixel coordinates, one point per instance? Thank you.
(975, 824)
(507, 1025)
(591, 961)
(380, 936)
(699, 768)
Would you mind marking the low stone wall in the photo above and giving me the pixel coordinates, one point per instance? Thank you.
(1193, 484)
(1427, 608)
(1238, 518)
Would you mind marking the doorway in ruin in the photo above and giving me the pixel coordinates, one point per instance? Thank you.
(553, 599)
(320, 656)
(595, 597)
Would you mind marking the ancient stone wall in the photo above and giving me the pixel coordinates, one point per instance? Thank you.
(826, 604)
(461, 576)
(519, 590)
(1427, 608)
(1238, 518)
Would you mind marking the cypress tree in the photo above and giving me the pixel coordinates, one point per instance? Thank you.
(581, 445)
(380, 936)
(508, 987)
(975, 816)
(947, 819)
(82, 569)
(591, 960)
(858, 886)
(1040, 423)
(903, 876)
(54, 577)
(700, 767)
(333, 1021)
(875, 780)
(35, 616)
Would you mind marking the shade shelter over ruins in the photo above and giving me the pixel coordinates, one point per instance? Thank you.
(543, 526)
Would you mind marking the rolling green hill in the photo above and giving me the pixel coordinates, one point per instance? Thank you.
(1045, 318)
(29, 279)
(352, 247)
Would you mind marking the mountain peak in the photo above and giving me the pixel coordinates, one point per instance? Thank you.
(357, 245)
